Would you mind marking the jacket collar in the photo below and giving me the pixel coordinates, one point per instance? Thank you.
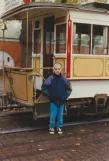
(55, 75)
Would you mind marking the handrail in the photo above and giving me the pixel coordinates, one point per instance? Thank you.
(10, 67)
(27, 68)
(43, 68)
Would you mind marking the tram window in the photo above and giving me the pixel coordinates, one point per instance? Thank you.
(52, 42)
(37, 41)
(49, 42)
(81, 38)
(36, 24)
(61, 38)
(98, 43)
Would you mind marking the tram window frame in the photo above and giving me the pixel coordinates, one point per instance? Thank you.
(104, 40)
(91, 50)
(58, 50)
(37, 24)
(36, 27)
(79, 40)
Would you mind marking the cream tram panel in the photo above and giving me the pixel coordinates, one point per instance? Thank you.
(36, 64)
(89, 17)
(107, 68)
(90, 67)
(20, 86)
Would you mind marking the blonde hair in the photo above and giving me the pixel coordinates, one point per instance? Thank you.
(57, 65)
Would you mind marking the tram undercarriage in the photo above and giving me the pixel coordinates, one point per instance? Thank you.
(16, 81)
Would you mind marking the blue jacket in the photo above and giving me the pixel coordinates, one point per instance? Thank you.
(57, 87)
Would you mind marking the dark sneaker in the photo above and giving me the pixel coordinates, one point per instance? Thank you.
(59, 130)
(51, 130)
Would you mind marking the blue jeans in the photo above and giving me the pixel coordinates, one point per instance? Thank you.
(56, 111)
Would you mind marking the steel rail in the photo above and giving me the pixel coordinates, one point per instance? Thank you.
(16, 130)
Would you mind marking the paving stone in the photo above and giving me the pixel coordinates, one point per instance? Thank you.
(79, 143)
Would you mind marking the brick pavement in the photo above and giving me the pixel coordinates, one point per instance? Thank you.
(78, 143)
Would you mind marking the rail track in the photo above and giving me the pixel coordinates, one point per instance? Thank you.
(45, 126)
(8, 110)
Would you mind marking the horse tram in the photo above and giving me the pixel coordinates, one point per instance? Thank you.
(75, 36)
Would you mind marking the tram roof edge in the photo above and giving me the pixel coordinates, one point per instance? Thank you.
(19, 13)
(12, 14)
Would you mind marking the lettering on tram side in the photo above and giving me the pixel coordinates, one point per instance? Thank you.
(10, 4)
(74, 1)
(88, 1)
(45, 0)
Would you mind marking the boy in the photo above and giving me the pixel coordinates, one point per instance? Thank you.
(58, 89)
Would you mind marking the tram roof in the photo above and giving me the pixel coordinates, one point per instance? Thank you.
(35, 8)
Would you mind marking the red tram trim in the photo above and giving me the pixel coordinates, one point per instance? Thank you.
(26, 1)
(68, 61)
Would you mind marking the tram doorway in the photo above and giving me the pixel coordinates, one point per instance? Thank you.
(48, 45)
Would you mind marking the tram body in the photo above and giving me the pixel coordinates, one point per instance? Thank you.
(75, 36)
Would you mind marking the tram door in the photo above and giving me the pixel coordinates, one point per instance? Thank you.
(48, 45)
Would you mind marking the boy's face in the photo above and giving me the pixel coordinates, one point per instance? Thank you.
(57, 70)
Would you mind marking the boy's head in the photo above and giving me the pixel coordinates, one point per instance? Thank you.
(57, 68)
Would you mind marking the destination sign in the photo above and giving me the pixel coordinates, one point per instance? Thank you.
(10, 4)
